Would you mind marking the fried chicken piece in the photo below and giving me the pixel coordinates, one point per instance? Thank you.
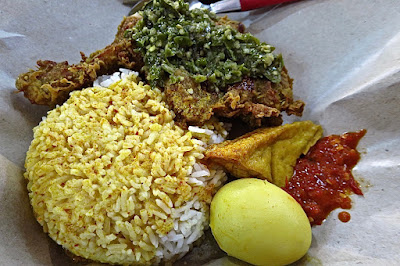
(52, 82)
(256, 101)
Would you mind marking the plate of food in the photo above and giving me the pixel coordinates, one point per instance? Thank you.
(182, 137)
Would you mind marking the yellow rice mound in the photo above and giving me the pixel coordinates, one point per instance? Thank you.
(109, 176)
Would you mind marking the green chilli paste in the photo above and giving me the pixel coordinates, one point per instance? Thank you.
(170, 37)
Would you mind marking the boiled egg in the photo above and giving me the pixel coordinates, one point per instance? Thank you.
(259, 223)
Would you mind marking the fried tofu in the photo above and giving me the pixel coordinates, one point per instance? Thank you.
(266, 153)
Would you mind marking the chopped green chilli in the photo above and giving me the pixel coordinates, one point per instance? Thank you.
(170, 37)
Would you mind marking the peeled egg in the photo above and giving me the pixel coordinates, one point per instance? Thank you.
(259, 223)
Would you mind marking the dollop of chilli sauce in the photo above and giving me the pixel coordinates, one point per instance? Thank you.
(323, 180)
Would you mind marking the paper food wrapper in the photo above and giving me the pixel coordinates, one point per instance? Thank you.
(344, 56)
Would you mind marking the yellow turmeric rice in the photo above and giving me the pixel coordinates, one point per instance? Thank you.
(111, 177)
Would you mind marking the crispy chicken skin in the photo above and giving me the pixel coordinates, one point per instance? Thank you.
(255, 101)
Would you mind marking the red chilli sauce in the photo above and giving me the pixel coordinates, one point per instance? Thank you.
(323, 180)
